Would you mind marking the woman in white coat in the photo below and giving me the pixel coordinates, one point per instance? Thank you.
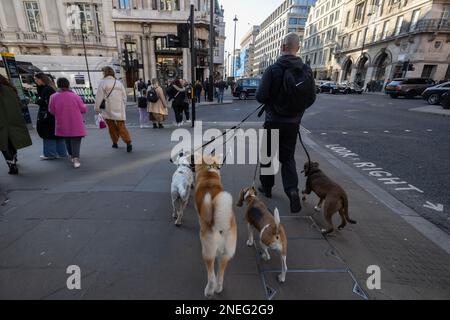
(113, 92)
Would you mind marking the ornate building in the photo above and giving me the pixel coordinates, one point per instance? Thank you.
(321, 38)
(45, 28)
(379, 36)
(248, 51)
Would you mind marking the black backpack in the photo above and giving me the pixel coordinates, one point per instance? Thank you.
(297, 92)
(152, 96)
(171, 92)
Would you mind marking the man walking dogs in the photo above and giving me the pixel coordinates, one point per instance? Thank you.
(287, 89)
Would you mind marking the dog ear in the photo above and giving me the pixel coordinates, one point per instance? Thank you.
(276, 215)
(241, 198)
(254, 190)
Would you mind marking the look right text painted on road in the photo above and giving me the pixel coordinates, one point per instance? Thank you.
(382, 175)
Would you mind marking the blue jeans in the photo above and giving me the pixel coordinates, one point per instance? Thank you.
(220, 97)
(55, 148)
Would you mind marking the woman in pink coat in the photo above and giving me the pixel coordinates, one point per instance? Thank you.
(67, 107)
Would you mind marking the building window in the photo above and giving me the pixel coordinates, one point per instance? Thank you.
(359, 12)
(124, 4)
(374, 35)
(358, 37)
(169, 5)
(385, 31)
(414, 19)
(429, 70)
(398, 26)
(336, 15)
(33, 15)
(347, 19)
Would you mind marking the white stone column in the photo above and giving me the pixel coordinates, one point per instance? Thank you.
(182, 6)
(146, 59)
(369, 74)
(353, 73)
(153, 73)
(186, 64)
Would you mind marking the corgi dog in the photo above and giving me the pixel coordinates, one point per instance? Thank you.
(218, 233)
(182, 183)
(271, 231)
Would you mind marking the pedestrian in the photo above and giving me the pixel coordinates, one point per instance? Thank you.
(278, 101)
(68, 109)
(179, 100)
(13, 129)
(113, 94)
(142, 107)
(221, 86)
(159, 109)
(53, 147)
(198, 90)
(187, 100)
(206, 89)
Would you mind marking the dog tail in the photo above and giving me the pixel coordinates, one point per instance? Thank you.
(208, 210)
(345, 204)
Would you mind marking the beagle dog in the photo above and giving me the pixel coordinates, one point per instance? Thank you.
(271, 231)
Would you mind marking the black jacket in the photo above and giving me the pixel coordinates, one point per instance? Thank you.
(45, 124)
(270, 86)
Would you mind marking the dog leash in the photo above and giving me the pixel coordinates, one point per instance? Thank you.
(303, 145)
(238, 126)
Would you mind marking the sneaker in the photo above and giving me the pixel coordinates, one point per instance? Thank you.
(129, 148)
(267, 193)
(155, 126)
(13, 170)
(295, 201)
(115, 146)
(48, 158)
(76, 163)
(161, 126)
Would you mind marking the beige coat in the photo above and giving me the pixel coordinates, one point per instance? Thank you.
(161, 106)
(117, 101)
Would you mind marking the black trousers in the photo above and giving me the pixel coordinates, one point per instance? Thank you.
(178, 110)
(10, 154)
(288, 134)
(73, 145)
(186, 111)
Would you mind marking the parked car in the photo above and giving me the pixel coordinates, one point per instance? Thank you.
(433, 94)
(319, 83)
(328, 86)
(445, 100)
(408, 87)
(246, 87)
(349, 88)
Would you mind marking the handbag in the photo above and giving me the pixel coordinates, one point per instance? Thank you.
(103, 104)
(100, 122)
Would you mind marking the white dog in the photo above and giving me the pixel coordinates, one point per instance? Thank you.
(182, 183)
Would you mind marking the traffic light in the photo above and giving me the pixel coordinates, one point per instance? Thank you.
(173, 41)
(125, 58)
(183, 35)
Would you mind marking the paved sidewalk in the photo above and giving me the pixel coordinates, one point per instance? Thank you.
(112, 218)
(437, 109)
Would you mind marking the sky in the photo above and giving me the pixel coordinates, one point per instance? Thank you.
(249, 13)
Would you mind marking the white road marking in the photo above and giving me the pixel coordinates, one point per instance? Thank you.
(387, 131)
(324, 133)
(373, 170)
(436, 207)
(366, 132)
(407, 130)
(344, 133)
(429, 130)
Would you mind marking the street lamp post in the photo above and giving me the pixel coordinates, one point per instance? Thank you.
(234, 46)
(193, 60)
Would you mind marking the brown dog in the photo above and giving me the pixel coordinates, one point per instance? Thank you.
(272, 234)
(218, 233)
(329, 192)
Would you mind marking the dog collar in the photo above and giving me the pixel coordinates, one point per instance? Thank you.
(263, 229)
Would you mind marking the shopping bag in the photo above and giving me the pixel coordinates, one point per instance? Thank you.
(100, 122)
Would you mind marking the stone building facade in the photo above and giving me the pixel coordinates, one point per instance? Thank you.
(31, 28)
(321, 38)
(290, 16)
(378, 36)
(248, 47)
